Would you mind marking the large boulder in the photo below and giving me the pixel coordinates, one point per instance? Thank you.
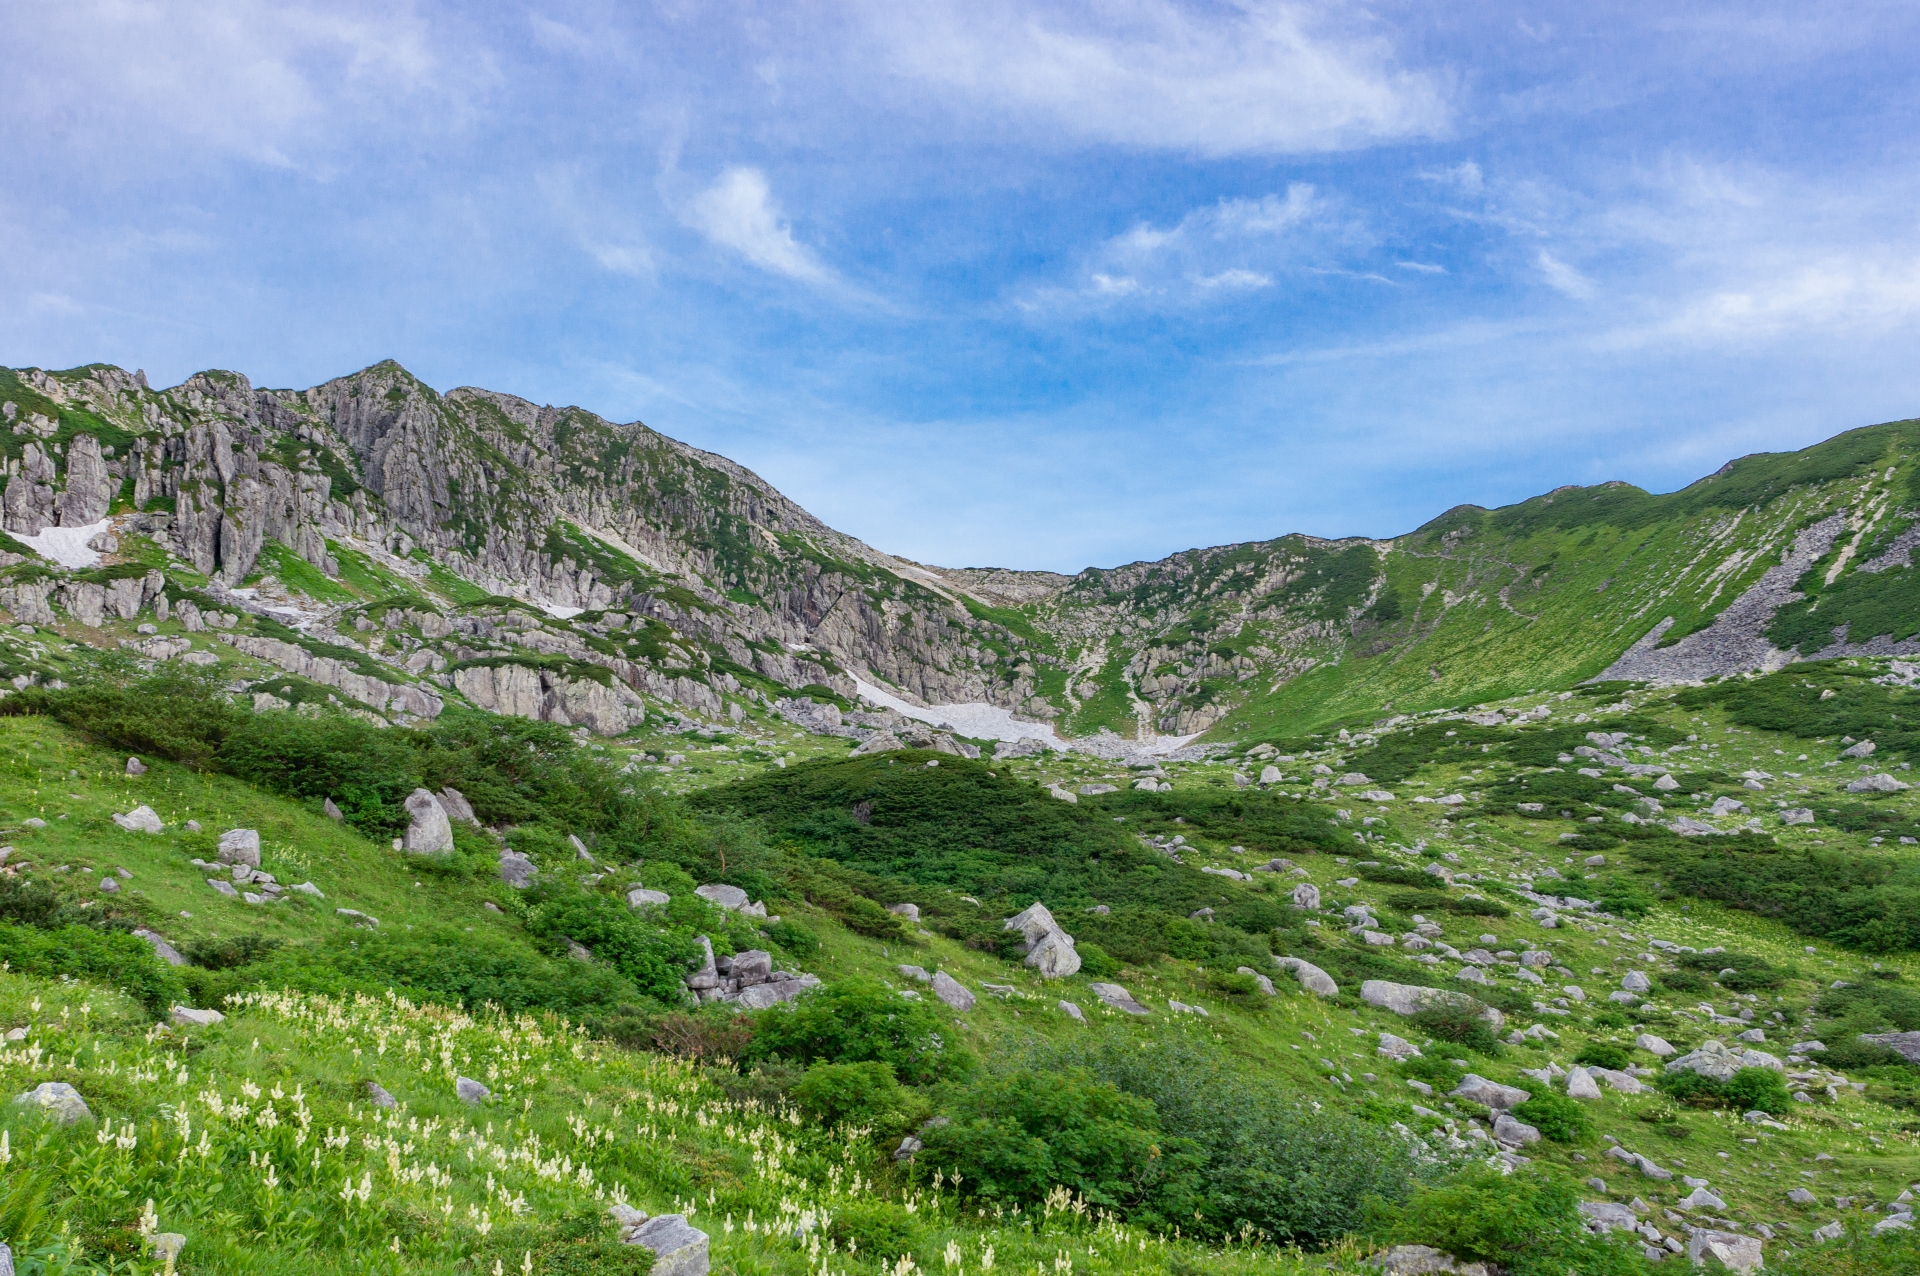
(1054, 956)
(1311, 977)
(949, 990)
(1718, 1061)
(1906, 1044)
(1033, 923)
(1306, 895)
(161, 948)
(679, 1248)
(59, 1101)
(731, 898)
(1477, 1089)
(1411, 999)
(240, 846)
(1731, 1250)
(141, 819)
(1114, 997)
(516, 870)
(428, 831)
(640, 895)
(189, 1017)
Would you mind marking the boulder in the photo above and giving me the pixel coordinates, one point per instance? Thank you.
(914, 973)
(707, 975)
(1396, 1048)
(188, 1017)
(580, 851)
(1607, 1216)
(455, 804)
(1801, 1196)
(1509, 1129)
(1624, 1082)
(751, 967)
(136, 767)
(1882, 783)
(1477, 1089)
(470, 1091)
(141, 819)
(1719, 1062)
(679, 1248)
(516, 870)
(240, 846)
(1420, 1260)
(1907, 1044)
(1654, 1045)
(1261, 981)
(377, 1095)
(59, 1101)
(357, 918)
(949, 990)
(1306, 895)
(1580, 1085)
(1311, 977)
(1636, 981)
(1410, 999)
(428, 831)
(1114, 997)
(1071, 1011)
(1702, 1199)
(161, 948)
(331, 811)
(641, 895)
(1032, 922)
(1054, 956)
(909, 911)
(731, 898)
(1731, 1250)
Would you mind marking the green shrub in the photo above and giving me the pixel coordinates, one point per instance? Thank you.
(1760, 1089)
(655, 957)
(1439, 1073)
(368, 771)
(1013, 1136)
(1270, 1159)
(1693, 1089)
(179, 712)
(1527, 1222)
(25, 902)
(793, 939)
(1850, 1053)
(858, 1021)
(1243, 990)
(1748, 974)
(108, 958)
(1461, 1025)
(860, 1094)
(1095, 963)
(1602, 1054)
(878, 1228)
(1556, 1116)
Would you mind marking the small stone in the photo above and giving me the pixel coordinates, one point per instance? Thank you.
(136, 767)
(470, 1091)
(331, 811)
(378, 1096)
(1071, 1011)
(109, 886)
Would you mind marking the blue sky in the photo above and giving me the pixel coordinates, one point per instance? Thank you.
(1033, 285)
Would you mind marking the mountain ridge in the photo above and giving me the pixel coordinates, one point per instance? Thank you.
(730, 596)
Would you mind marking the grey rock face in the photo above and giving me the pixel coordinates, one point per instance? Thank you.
(58, 1100)
(1907, 1044)
(379, 694)
(240, 846)
(428, 831)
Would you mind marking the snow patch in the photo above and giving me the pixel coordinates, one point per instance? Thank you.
(66, 546)
(980, 721)
(560, 611)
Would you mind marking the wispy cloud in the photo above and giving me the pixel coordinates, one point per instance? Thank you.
(739, 212)
(1561, 277)
(1257, 77)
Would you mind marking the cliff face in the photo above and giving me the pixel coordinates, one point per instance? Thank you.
(543, 561)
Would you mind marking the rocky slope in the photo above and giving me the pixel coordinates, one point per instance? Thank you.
(412, 549)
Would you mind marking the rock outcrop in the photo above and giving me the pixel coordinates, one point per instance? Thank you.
(1048, 948)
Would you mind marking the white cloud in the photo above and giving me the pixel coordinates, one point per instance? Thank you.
(738, 212)
(1563, 278)
(1256, 77)
(1424, 267)
(1235, 280)
(1108, 286)
(1464, 176)
(174, 81)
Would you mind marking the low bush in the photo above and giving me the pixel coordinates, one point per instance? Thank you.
(654, 956)
(1556, 1116)
(1747, 1090)
(1737, 971)
(879, 1228)
(709, 1038)
(1012, 1136)
(1528, 1223)
(1603, 1054)
(1462, 1025)
(103, 957)
(860, 1021)
(866, 1095)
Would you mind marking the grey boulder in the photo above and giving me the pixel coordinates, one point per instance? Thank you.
(141, 819)
(161, 948)
(1731, 1250)
(188, 1017)
(1717, 1061)
(640, 895)
(240, 846)
(1115, 997)
(1477, 1089)
(428, 830)
(470, 1091)
(679, 1248)
(1510, 1129)
(1311, 977)
(58, 1100)
(950, 990)
(1411, 999)
(378, 1096)
(516, 870)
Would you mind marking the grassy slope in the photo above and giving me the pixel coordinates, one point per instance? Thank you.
(1295, 1037)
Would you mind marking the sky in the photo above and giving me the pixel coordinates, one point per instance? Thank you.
(1023, 285)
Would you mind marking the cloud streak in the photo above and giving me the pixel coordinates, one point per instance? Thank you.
(739, 212)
